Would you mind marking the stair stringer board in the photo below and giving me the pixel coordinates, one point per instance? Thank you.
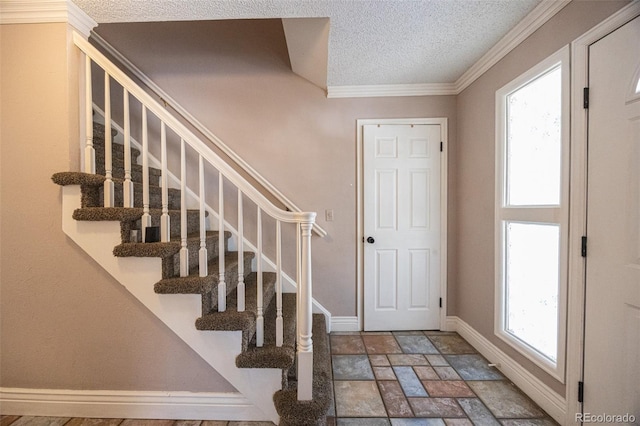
(138, 275)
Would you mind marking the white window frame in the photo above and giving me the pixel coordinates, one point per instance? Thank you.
(634, 90)
(538, 214)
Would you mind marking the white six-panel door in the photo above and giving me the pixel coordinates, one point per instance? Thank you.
(612, 309)
(401, 191)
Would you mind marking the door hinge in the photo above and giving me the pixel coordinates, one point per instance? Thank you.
(441, 302)
(583, 249)
(441, 146)
(585, 98)
(580, 391)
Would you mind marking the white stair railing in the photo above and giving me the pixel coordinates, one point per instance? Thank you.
(89, 151)
(279, 321)
(127, 185)
(203, 265)
(240, 249)
(184, 251)
(207, 159)
(109, 188)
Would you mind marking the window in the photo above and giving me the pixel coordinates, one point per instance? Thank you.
(532, 141)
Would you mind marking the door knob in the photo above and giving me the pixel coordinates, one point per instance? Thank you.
(371, 240)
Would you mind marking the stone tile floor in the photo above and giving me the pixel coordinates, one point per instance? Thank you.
(422, 378)
(391, 379)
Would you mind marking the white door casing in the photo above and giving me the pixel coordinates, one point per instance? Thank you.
(612, 305)
(401, 226)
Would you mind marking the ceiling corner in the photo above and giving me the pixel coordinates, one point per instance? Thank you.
(308, 45)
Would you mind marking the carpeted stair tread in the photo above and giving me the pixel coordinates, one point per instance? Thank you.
(77, 178)
(93, 190)
(194, 283)
(136, 172)
(99, 130)
(108, 213)
(155, 195)
(230, 261)
(117, 151)
(130, 219)
(304, 413)
(193, 246)
(160, 249)
(288, 320)
(120, 213)
(269, 355)
(231, 319)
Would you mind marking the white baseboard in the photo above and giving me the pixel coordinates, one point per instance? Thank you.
(450, 324)
(353, 324)
(128, 404)
(345, 324)
(555, 405)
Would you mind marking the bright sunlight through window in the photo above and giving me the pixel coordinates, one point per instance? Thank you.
(533, 148)
(532, 294)
(532, 214)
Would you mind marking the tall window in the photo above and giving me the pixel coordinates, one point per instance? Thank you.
(532, 212)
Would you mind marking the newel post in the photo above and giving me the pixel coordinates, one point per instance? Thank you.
(305, 315)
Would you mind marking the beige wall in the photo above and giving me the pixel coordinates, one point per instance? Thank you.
(64, 322)
(474, 161)
(235, 77)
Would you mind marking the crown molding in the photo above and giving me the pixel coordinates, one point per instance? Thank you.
(45, 11)
(532, 22)
(380, 90)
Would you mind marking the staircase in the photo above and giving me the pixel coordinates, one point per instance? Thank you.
(236, 318)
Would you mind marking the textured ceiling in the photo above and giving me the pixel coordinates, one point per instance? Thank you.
(371, 42)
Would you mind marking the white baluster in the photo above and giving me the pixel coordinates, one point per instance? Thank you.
(89, 150)
(165, 222)
(279, 324)
(146, 216)
(222, 285)
(305, 342)
(241, 286)
(127, 185)
(184, 251)
(298, 274)
(202, 254)
(108, 167)
(260, 302)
